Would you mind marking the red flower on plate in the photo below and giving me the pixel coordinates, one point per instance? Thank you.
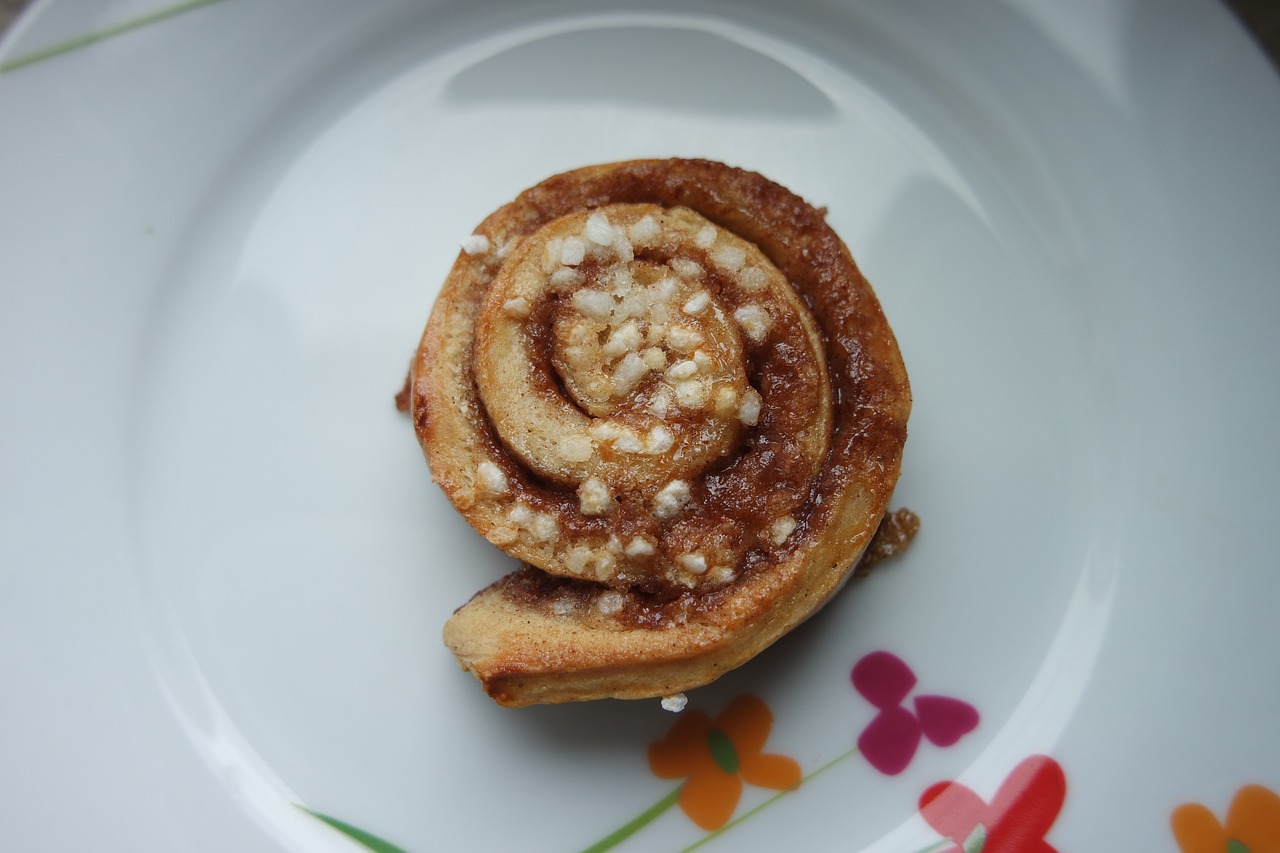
(1017, 818)
(890, 741)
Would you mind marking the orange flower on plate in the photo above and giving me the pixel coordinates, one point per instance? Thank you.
(717, 756)
(1253, 824)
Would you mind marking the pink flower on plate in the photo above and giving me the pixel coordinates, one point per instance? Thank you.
(890, 740)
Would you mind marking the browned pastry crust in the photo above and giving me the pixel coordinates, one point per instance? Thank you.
(666, 385)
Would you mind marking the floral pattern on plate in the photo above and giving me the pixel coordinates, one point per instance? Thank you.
(716, 757)
(1015, 821)
(1252, 824)
(890, 741)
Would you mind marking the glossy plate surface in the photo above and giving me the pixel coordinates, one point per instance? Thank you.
(224, 569)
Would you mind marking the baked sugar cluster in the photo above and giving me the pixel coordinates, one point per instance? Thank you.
(620, 357)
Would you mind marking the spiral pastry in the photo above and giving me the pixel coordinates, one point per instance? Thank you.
(665, 387)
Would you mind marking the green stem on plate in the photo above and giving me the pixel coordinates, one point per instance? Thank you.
(373, 842)
(102, 34)
(637, 823)
(740, 818)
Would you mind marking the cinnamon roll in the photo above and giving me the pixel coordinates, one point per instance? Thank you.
(665, 387)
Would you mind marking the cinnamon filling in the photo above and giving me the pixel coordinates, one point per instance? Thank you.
(661, 371)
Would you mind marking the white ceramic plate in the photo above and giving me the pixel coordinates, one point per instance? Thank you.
(223, 568)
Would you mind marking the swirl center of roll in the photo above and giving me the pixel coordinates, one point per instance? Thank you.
(643, 360)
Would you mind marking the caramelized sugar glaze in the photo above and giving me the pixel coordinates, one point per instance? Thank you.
(665, 387)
